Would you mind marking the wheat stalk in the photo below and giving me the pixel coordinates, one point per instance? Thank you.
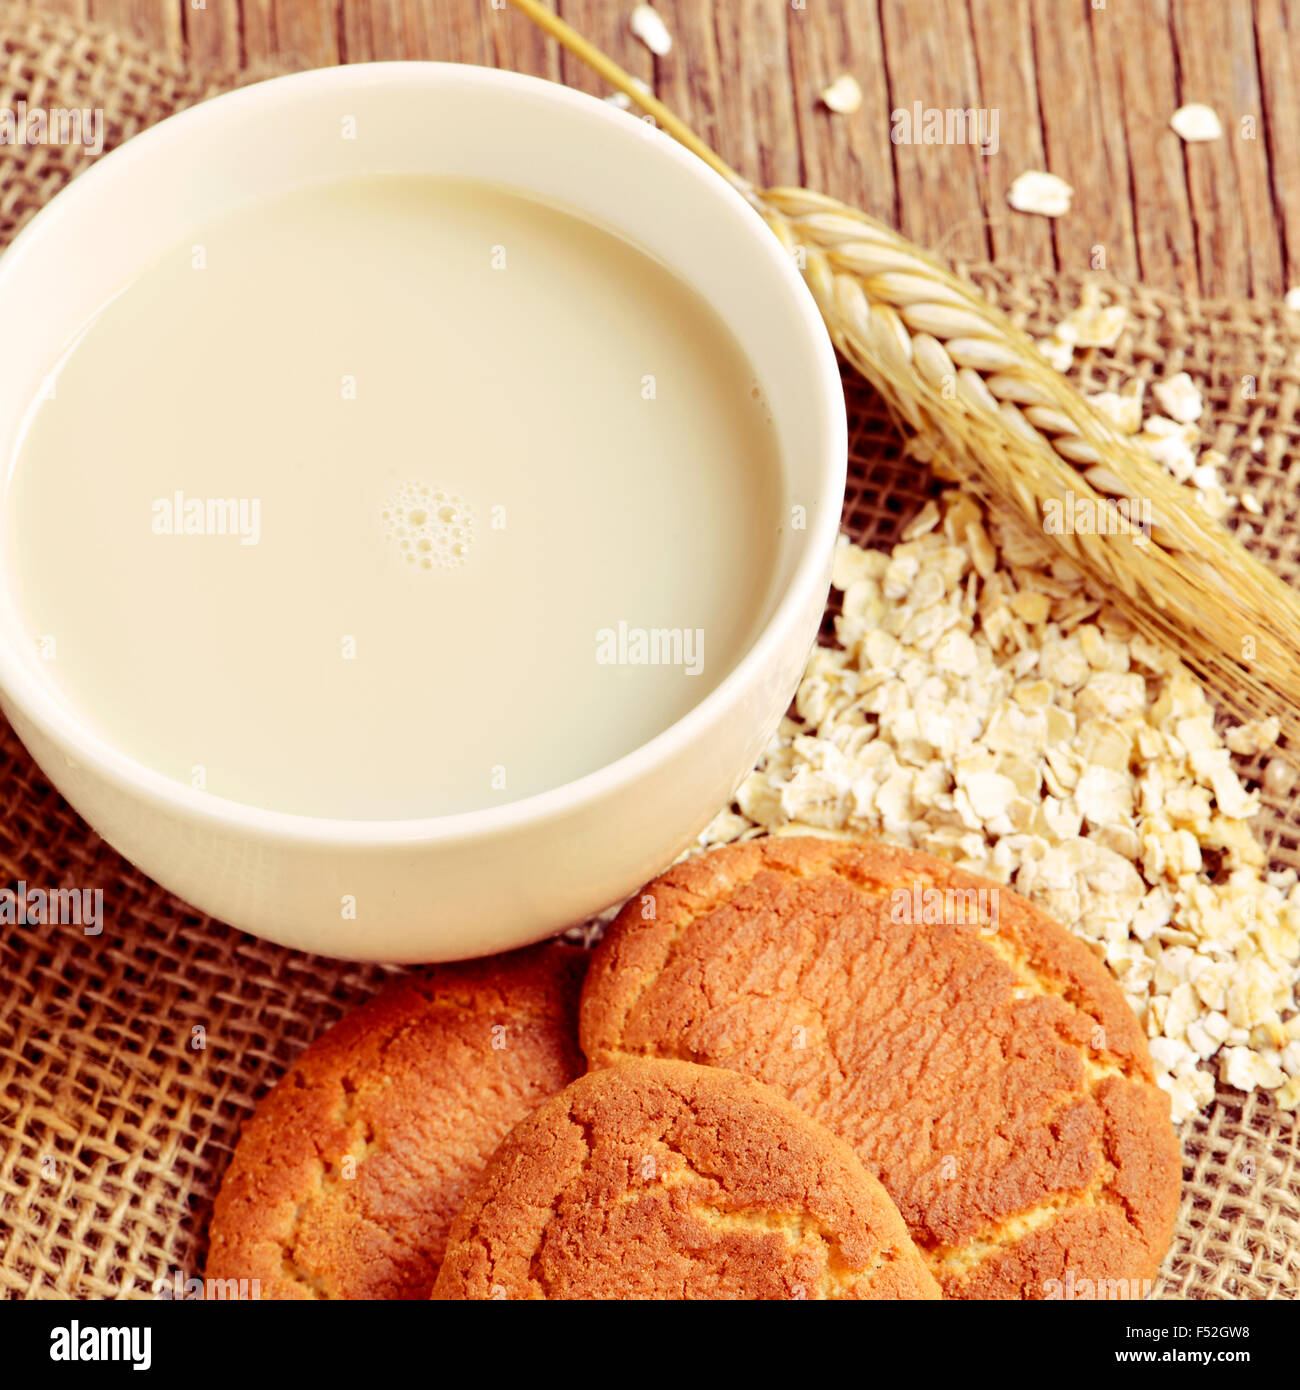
(953, 368)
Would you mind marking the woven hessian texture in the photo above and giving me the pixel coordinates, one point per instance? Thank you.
(117, 1117)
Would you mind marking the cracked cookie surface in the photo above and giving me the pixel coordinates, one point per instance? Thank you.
(661, 1179)
(345, 1181)
(993, 1078)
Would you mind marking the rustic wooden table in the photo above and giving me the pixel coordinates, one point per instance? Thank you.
(1083, 88)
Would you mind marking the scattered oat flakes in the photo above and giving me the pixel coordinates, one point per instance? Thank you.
(1092, 324)
(1279, 777)
(1171, 439)
(979, 705)
(1124, 411)
(648, 25)
(1044, 194)
(1196, 123)
(1205, 479)
(1258, 736)
(924, 521)
(1171, 445)
(1060, 355)
(1179, 398)
(843, 96)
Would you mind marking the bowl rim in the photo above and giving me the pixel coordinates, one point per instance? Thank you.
(24, 692)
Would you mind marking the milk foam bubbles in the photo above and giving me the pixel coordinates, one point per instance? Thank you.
(431, 528)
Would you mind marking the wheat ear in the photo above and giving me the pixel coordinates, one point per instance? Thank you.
(953, 368)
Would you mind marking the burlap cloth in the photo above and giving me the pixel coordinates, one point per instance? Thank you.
(128, 1061)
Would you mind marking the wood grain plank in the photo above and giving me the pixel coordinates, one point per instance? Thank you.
(465, 31)
(370, 32)
(1080, 145)
(305, 31)
(154, 22)
(1003, 35)
(1136, 64)
(211, 32)
(690, 79)
(457, 30)
(397, 28)
(848, 156)
(606, 25)
(520, 46)
(756, 129)
(940, 203)
(1277, 42)
(257, 31)
(1238, 250)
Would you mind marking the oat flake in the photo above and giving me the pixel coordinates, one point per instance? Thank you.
(1044, 194)
(648, 25)
(1196, 123)
(843, 96)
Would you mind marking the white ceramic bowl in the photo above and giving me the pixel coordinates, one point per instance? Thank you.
(456, 885)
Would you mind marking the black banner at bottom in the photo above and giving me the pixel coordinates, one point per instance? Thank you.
(264, 1341)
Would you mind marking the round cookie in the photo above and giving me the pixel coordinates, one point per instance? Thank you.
(667, 1180)
(345, 1181)
(993, 1078)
